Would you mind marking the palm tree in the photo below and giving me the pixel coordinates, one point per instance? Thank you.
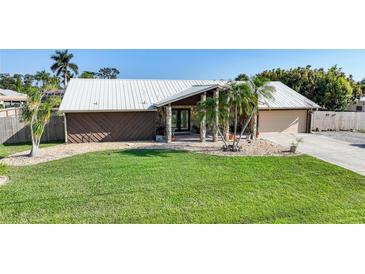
(63, 65)
(37, 113)
(207, 110)
(53, 84)
(260, 91)
(236, 99)
(42, 76)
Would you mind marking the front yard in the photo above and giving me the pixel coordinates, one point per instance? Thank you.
(8, 149)
(164, 186)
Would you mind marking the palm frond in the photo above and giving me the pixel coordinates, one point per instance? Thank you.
(73, 67)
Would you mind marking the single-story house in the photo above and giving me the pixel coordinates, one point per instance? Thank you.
(358, 105)
(10, 98)
(98, 110)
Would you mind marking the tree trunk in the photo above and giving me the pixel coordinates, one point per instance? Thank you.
(35, 150)
(244, 128)
(226, 125)
(235, 123)
(65, 79)
(254, 126)
(216, 116)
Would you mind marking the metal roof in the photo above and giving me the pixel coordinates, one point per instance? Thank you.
(84, 95)
(11, 93)
(186, 93)
(286, 98)
(102, 95)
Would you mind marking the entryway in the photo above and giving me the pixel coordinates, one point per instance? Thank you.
(181, 120)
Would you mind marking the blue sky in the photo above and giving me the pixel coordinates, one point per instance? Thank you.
(186, 64)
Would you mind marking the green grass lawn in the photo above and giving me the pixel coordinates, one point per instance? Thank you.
(159, 186)
(8, 149)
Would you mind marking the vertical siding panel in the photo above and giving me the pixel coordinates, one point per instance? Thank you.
(110, 126)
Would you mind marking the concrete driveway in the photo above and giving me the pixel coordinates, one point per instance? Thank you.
(338, 152)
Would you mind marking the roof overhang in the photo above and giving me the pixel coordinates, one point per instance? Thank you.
(13, 98)
(194, 90)
(288, 108)
(108, 110)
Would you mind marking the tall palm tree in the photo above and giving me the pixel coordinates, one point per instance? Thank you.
(63, 65)
(42, 76)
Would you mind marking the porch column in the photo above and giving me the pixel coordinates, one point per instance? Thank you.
(203, 128)
(216, 118)
(168, 129)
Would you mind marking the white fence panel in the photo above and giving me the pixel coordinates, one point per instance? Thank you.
(332, 120)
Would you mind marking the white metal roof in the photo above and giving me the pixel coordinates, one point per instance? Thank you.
(11, 93)
(99, 95)
(286, 98)
(122, 94)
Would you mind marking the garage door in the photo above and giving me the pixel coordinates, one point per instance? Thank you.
(110, 126)
(292, 121)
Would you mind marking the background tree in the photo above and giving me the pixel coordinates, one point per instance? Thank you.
(42, 77)
(63, 65)
(362, 86)
(37, 113)
(88, 75)
(18, 82)
(330, 88)
(8, 82)
(52, 84)
(242, 77)
(28, 80)
(108, 73)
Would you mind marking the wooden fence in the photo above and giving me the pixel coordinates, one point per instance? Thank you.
(7, 112)
(332, 120)
(12, 130)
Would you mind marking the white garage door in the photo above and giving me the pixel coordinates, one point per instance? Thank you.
(292, 121)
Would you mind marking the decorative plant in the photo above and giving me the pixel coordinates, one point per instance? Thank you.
(235, 99)
(37, 113)
(295, 143)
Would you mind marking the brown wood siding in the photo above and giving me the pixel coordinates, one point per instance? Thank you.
(110, 126)
(192, 100)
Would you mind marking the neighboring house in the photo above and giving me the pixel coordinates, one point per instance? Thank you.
(98, 110)
(49, 93)
(358, 105)
(10, 98)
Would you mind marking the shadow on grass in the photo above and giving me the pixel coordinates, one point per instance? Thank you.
(28, 143)
(151, 152)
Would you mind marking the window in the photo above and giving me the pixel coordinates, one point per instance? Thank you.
(358, 108)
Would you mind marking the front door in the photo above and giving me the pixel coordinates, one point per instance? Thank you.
(181, 120)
